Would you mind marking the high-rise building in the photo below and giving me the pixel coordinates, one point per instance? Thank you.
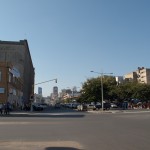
(54, 95)
(18, 54)
(55, 91)
(39, 90)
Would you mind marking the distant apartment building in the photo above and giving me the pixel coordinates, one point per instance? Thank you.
(18, 54)
(68, 93)
(65, 94)
(131, 76)
(141, 75)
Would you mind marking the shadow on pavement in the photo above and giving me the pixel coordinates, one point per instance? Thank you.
(61, 148)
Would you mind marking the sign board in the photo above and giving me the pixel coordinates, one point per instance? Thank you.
(15, 72)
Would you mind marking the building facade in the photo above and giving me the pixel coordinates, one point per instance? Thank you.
(131, 77)
(141, 75)
(11, 86)
(18, 54)
(119, 79)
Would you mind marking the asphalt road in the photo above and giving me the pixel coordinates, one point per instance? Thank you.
(71, 130)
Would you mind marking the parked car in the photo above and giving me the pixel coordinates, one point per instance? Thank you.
(44, 105)
(91, 107)
(37, 107)
(98, 106)
(75, 105)
(82, 107)
(57, 106)
(106, 106)
(113, 105)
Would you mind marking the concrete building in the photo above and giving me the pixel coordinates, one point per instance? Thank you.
(143, 75)
(131, 77)
(18, 54)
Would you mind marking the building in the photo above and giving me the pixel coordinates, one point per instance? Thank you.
(131, 77)
(55, 91)
(141, 75)
(18, 54)
(39, 90)
(11, 85)
(119, 79)
(69, 94)
(54, 95)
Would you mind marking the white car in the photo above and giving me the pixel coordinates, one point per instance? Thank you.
(113, 105)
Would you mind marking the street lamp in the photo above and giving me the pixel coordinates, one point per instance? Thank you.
(102, 92)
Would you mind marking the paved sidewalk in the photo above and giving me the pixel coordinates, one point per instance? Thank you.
(122, 111)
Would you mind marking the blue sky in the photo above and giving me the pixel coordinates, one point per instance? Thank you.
(69, 38)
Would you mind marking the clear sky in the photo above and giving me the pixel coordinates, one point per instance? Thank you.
(69, 38)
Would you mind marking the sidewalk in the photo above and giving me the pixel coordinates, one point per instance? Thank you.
(121, 111)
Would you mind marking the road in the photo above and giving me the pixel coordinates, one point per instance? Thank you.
(71, 130)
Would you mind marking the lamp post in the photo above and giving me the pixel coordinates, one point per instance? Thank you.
(102, 92)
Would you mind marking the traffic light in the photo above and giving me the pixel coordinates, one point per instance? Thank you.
(55, 80)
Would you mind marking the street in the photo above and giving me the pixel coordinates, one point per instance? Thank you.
(72, 130)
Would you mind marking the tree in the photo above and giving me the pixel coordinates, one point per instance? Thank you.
(91, 89)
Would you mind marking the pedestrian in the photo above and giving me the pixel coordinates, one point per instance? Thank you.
(1, 109)
(6, 109)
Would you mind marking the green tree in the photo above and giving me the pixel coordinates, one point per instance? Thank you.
(91, 89)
